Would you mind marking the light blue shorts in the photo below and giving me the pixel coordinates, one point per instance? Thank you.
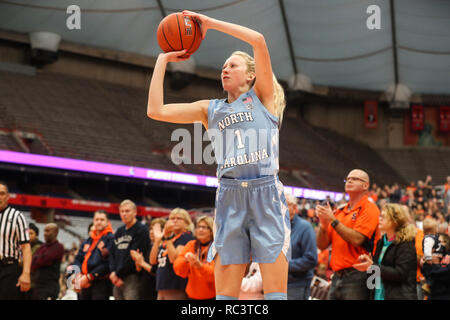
(251, 221)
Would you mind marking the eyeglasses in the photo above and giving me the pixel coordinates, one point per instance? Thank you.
(203, 227)
(353, 179)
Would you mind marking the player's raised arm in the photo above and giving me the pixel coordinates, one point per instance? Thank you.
(176, 112)
(264, 86)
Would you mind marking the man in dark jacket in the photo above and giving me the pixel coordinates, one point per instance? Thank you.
(45, 265)
(92, 261)
(438, 272)
(304, 254)
(132, 236)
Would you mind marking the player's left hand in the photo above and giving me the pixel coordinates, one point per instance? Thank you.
(201, 19)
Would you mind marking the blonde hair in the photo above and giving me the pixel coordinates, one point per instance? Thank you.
(278, 91)
(208, 220)
(185, 216)
(161, 221)
(404, 230)
(129, 202)
(429, 226)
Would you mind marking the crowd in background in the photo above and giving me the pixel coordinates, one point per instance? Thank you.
(171, 263)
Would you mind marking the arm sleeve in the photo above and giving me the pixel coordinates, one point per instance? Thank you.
(367, 221)
(180, 265)
(45, 258)
(141, 242)
(103, 267)
(436, 271)
(79, 258)
(22, 229)
(428, 244)
(112, 256)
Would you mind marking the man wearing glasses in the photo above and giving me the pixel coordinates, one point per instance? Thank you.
(351, 230)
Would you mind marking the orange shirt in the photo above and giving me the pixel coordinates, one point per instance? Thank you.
(323, 256)
(419, 251)
(363, 217)
(200, 280)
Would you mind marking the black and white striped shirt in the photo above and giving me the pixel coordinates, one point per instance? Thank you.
(13, 232)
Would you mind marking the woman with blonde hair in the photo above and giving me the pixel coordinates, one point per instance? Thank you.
(168, 244)
(395, 256)
(191, 263)
(251, 216)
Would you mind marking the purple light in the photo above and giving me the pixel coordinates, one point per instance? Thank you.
(140, 173)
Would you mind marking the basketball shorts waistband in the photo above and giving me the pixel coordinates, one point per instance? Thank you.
(250, 183)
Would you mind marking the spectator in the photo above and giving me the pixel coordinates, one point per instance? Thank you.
(395, 194)
(92, 259)
(33, 232)
(395, 256)
(431, 239)
(35, 243)
(168, 245)
(420, 279)
(323, 269)
(252, 284)
(149, 276)
(438, 272)
(447, 196)
(304, 254)
(351, 230)
(46, 263)
(191, 262)
(133, 235)
(13, 280)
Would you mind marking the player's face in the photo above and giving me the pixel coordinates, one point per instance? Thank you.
(234, 74)
(4, 197)
(100, 222)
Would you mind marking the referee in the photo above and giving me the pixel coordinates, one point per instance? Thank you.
(13, 239)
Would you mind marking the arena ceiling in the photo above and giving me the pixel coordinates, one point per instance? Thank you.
(326, 41)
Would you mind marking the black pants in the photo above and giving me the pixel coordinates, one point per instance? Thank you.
(99, 290)
(9, 275)
(46, 291)
(351, 286)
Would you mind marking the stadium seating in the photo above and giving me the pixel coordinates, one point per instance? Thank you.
(99, 121)
(415, 163)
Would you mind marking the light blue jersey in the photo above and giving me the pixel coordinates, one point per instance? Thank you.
(244, 136)
(251, 217)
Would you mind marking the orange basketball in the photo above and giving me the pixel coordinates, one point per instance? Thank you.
(177, 32)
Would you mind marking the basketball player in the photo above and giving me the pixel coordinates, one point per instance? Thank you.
(251, 218)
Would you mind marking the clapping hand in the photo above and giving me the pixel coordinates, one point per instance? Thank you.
(138, 259)
(365, 261)
(325, 214)
(192, 259)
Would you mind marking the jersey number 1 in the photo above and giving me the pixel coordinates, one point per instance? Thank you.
(239, 138)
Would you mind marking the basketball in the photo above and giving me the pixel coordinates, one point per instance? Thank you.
(177, 32)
